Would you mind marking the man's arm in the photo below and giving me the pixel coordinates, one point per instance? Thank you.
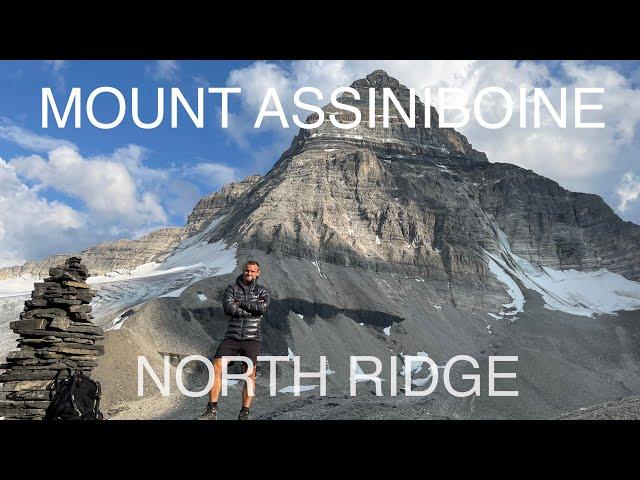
(259, 307)
(230, 306)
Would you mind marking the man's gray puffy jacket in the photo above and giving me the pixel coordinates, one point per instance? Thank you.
(243, 318)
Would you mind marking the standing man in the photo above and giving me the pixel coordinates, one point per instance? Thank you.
(245, 301)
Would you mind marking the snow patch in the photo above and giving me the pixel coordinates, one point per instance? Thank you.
(445, 169)
(512, 288)
(378, 242)
(571, 291)
(317, 265)
(21, 285)
(299, 314)
(387, 331)
(303, 388)
(174, 293)
(202, 297)
(290, 353)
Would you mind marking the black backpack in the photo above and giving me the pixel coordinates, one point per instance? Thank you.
(77, 397)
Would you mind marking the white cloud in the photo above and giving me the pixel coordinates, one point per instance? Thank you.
(30, 227)
(164, 70)
(212, 173)
(57, 68)
(104, 185)
(56, 65)
(628, 190)
(118, 196)
(29, 140)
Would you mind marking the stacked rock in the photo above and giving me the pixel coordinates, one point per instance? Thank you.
(56, 333)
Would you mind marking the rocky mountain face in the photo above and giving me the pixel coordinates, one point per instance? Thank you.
(549, 225)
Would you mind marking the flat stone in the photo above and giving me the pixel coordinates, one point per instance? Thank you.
(80, 308)
(22, 413)
(34, 368)
(72, 347)
(43, 313)
(60, 323)
(38, 342)
(77, 350)
(35, 303)
(25, 404)
(50, 362)
(65, 301)
(21, 354)
(76, 284)
(24, 385)
(83, 341)
(86, 363)
(83, 358)
(30, 395)
(11, 376)
(28, 324)
(81, 317)
(85, 328)
(47, 285)
(48, 355)
(96, 346)
(86, 295)
(59, 334)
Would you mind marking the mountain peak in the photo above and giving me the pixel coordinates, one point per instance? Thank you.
(390, 137)
(378, 79)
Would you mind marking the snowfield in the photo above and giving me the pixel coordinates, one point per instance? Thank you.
(571, 291)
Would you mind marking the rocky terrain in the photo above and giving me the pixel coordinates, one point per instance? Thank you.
(386, 242)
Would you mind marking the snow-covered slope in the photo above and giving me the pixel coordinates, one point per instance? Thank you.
(570, 291)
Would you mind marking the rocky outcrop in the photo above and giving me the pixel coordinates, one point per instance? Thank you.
(216, 204)
(56, 334)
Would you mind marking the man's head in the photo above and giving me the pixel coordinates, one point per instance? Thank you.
(251, 271)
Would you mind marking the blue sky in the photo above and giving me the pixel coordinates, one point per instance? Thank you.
(65, 189)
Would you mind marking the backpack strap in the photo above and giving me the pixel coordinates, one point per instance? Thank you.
(56, 381)
(98, 396)
(72, 393)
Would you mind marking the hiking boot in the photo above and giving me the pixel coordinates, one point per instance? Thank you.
(211, 413)
(244, 415)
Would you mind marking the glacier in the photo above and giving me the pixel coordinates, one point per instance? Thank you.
(581, 293)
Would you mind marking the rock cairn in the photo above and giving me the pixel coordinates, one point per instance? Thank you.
(56, 333)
